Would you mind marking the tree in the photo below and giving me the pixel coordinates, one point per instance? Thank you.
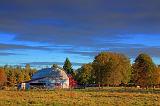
(20, 78)
(156, 76)
(32, 71)
(111, 68)
(143, 71)
(12, 78)
(18, 74)
(27, 77)
(3, 77)
(84, 74)
(54, 66)
(28, 67)
(68, 66)
(29, 72)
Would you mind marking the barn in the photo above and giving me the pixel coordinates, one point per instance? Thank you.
(49, 78)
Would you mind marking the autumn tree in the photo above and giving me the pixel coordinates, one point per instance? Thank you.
(68, 66)
(84, 74)
(156, 76)
(20, 77)
(32, 71)
(17, 74)
(143, 71)
(28, 67)
(112, 68)
(28, 72)
(12, 80)
(3, 77)
(27, 77)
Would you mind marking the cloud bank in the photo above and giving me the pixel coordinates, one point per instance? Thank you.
(83, 27)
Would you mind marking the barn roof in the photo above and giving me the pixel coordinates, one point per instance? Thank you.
(50, 72)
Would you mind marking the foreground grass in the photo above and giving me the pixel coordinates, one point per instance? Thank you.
(90, 96)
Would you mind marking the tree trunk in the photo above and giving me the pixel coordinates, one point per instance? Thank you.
(99, 85)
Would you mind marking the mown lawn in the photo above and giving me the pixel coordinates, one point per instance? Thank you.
(83, 97)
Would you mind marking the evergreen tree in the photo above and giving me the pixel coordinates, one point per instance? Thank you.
(68, 66)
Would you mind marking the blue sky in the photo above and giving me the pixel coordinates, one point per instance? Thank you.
(43, 32)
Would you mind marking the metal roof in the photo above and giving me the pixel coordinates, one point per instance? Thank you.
(50, 72)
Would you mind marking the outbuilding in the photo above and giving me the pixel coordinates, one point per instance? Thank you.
(49, 78)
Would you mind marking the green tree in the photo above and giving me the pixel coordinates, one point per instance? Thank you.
(143, 71)
(54, 66)
(84, 74)
(111, 68)
(68, 66)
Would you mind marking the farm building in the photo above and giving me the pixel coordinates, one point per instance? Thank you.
(49, 78)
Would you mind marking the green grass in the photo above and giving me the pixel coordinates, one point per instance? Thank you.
(84, 97)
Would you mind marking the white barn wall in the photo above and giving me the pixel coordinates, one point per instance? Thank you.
(51, 77)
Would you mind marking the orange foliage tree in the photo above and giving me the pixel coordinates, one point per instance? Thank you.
(3, 77)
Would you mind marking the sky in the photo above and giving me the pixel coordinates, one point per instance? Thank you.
(43, 32)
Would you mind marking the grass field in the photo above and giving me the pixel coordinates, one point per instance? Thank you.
(83, 97)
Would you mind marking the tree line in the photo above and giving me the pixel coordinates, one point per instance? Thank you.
(114, 69)
(107, 69)
(11, 76)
